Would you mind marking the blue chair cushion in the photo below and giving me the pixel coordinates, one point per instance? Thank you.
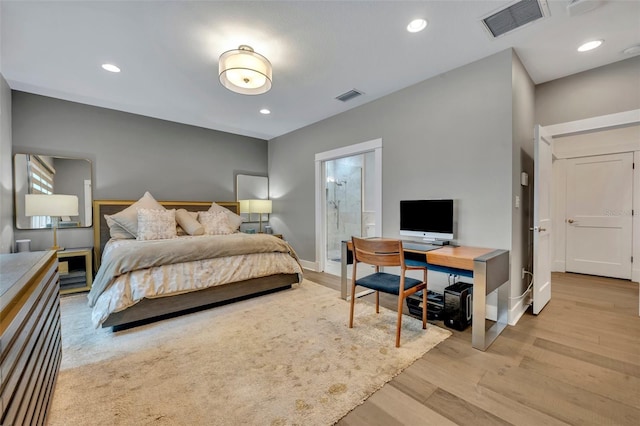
(386, 283)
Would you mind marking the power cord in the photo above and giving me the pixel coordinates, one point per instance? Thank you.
(527, 290)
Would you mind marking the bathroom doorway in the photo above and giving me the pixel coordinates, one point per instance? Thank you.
(348, 196)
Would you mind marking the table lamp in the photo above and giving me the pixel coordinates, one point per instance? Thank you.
(256, 206)
(54, 205)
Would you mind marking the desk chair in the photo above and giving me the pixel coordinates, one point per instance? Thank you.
(386, 252)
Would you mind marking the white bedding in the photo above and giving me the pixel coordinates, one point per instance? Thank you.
(129, 288)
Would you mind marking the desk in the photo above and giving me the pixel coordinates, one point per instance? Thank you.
(489, 269)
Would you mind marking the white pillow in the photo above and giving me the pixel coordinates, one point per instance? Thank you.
(156, 224)
(234, 220)
(128, 218)
(215, 223)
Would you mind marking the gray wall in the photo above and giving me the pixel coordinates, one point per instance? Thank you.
(132, 154)
(6, 190)
(447, 137)
(523, 101)
(605, 90)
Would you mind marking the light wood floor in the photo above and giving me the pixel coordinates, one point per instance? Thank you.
(578, 363)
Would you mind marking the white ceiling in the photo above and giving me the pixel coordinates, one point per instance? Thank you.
(168, 52)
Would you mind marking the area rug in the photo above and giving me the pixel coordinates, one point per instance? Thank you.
(286, 358)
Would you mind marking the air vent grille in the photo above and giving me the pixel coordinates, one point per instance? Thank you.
(514, 16)
(347, 96)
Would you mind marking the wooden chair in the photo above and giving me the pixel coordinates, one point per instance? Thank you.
(386, 252)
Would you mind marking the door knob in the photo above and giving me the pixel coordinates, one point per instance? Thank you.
(570, 220)
(542, 229)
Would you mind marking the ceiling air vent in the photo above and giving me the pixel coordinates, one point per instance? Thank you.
(515, 16)
(347, 96)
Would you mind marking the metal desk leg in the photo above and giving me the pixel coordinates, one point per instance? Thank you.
(490, 273)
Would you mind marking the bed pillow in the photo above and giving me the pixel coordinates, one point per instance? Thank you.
(188, 222)
(215, 223)
(116, 231)
(128, 218)
(156, 224)
(234, 220)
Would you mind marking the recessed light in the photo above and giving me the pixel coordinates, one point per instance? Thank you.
(417, 25)
(110, 68)
(632, 50)
(265, 111)
(590, 45)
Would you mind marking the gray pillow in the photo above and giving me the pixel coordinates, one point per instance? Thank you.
(128, 218)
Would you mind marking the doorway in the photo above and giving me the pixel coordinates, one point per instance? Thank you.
(348, 199)
(599, 215)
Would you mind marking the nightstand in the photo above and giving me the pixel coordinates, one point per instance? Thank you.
(75, 269)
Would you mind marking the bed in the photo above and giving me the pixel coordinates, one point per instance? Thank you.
(132, 289)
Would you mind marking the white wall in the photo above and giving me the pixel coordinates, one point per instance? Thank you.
(6, 189)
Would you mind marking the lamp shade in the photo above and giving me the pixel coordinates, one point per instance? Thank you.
(260, 206)
(245, 206)
(244, 71)
(50, 205)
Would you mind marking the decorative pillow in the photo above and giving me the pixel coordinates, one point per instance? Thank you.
(156, 224)
(116, 231)
(128, 218)
(188, 221)
(234, 220)
(215, 223)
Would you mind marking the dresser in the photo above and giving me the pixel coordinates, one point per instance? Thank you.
(31, 347)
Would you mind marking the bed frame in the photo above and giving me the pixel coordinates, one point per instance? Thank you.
(148, 310)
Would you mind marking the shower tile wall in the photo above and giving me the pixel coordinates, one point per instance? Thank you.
(344, 202)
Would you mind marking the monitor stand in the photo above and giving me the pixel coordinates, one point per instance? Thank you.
(437, 242)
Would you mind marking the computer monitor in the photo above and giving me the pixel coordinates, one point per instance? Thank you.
(431, 220)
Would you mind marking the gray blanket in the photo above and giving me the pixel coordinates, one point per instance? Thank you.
(148, 254)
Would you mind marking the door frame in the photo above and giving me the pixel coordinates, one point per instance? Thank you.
(375, 146)
(600, 123)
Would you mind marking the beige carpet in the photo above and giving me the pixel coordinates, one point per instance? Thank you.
(282, 359)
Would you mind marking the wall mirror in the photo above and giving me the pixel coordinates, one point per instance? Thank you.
(46, 174)
(250, 187)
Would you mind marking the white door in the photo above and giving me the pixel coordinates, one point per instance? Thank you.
(598, 215)
(542, 219)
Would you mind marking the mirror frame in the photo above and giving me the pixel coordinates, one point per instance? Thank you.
(19, 191)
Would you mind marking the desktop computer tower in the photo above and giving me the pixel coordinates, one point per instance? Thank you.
(435, 304)
(458, 305)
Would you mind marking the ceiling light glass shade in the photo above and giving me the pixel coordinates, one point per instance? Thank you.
(244, 71)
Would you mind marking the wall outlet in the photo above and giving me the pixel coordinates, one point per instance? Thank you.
(522, 274)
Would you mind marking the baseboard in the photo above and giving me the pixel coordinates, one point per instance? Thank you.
(517, 311)
(635, 275)
(307, 264)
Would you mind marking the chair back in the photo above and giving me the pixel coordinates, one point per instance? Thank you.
(378, 251)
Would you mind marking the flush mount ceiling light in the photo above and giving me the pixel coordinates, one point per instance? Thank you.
(244, 71)
(265, 111)
(417, 25)
(110, 68)
(590, 45)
